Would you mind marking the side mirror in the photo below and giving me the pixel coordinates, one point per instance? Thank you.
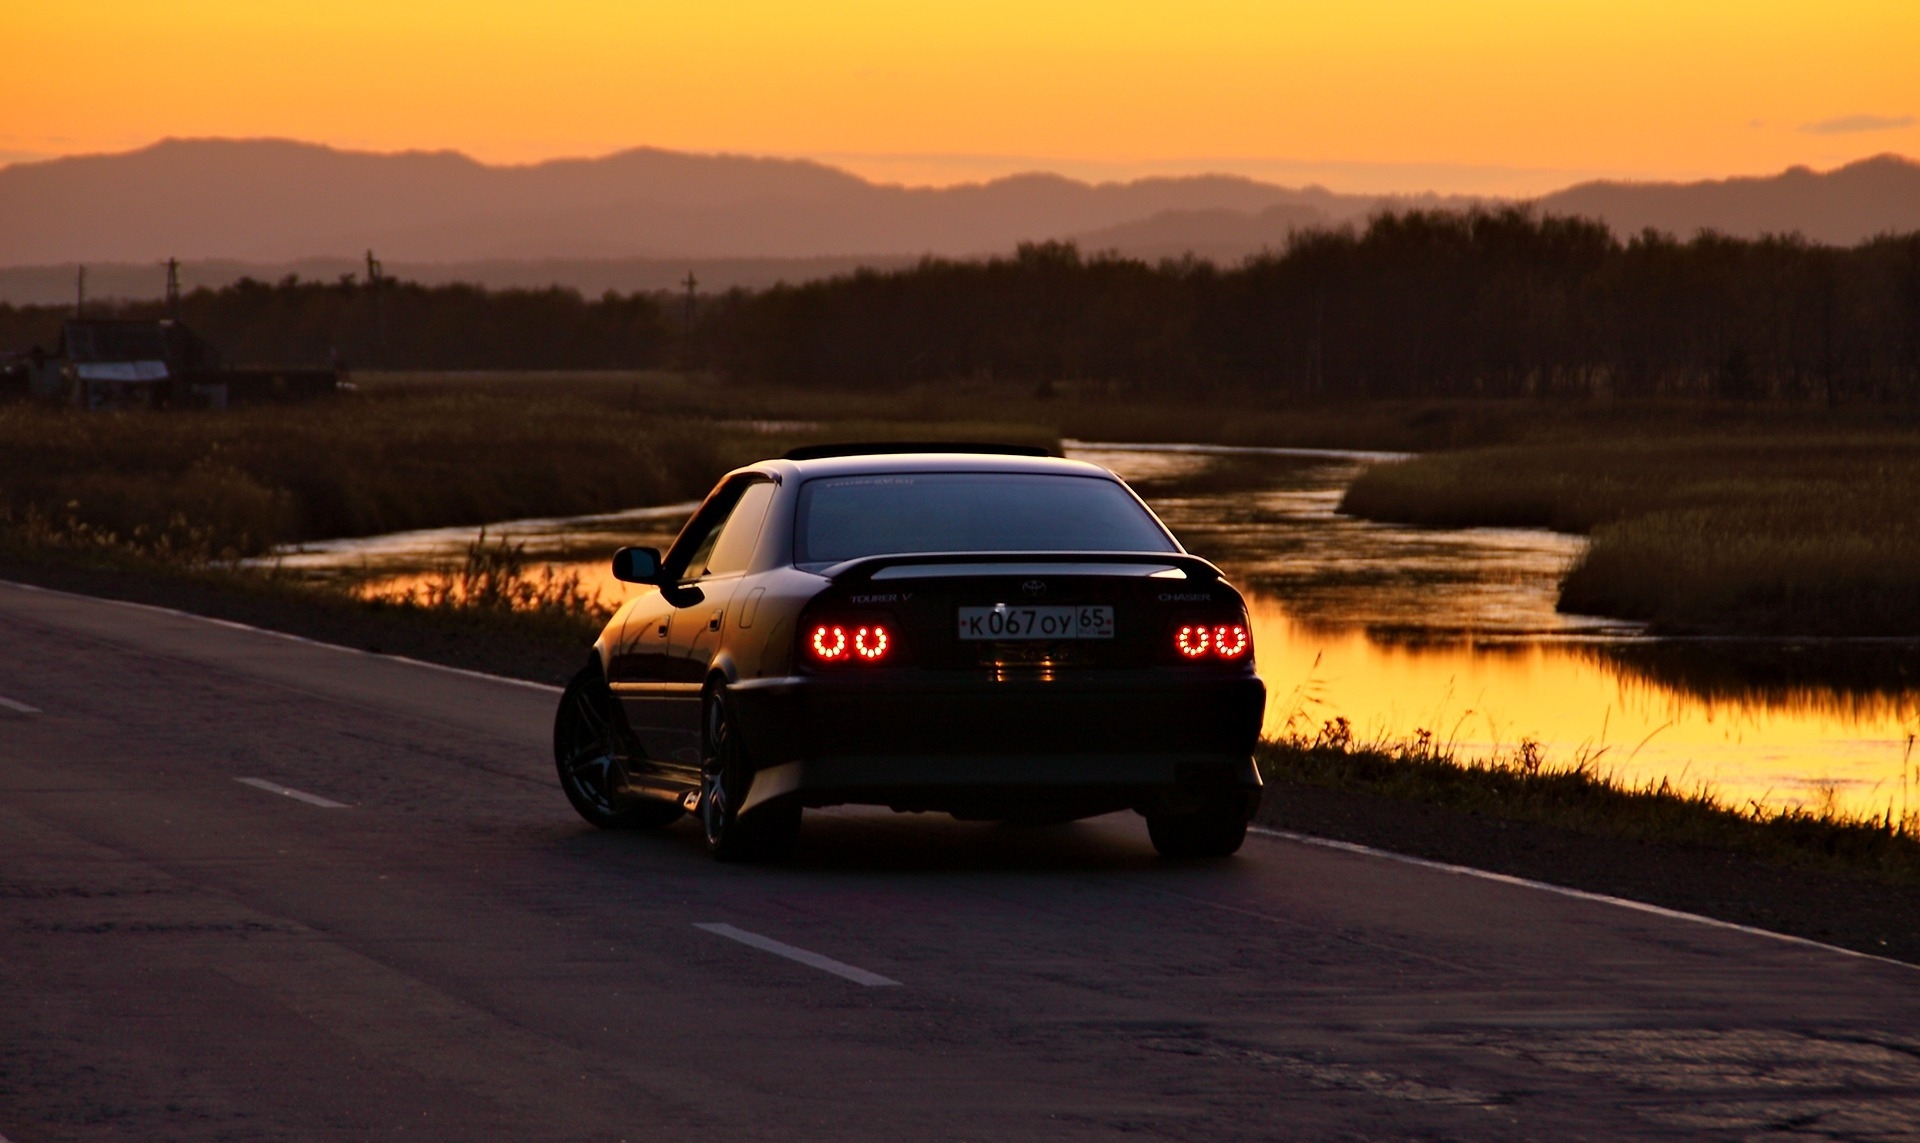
(637, 565)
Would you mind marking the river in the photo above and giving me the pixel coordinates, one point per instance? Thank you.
(1401, 631)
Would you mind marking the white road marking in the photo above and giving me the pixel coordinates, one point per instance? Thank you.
(20, 708)
(810, 959)
(1562, 890)
(296, 795)
(548, 687)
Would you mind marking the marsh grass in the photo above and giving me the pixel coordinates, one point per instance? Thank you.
(497, 576)
(202, 488)
(1524, 785)
(1763, 532)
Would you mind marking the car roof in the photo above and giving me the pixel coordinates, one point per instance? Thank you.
(881, 463)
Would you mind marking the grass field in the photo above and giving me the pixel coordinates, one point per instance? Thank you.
(1705, 516)
(1815, 532)
(393, 456)
(429, 450)
(1519, 788)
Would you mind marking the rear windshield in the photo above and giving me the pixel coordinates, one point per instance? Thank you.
(846, 517)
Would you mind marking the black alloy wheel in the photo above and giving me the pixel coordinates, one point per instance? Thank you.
(587, 751)
(767, 833)
(1216, 829)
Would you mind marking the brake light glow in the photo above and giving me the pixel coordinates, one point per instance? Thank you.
(1196, 641)
(829, 643)
(835, 643)
(870, 643)
(1230, 640)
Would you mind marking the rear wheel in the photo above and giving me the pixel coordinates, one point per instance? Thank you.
(1216, 829)
(587, 752)
(768, 831)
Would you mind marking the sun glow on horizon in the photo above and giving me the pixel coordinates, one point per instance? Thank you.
(1480, 96)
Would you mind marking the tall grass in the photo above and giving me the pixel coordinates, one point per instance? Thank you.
(248, 479)
(1578, 794)
(497, 576)
(1815, 533)
(221, 486)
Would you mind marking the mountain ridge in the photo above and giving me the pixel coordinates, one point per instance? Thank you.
(1843, 206)
(277, 202)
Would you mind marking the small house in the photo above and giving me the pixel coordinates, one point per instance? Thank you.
(118, 364)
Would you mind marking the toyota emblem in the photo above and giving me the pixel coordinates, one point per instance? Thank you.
(1034, 588)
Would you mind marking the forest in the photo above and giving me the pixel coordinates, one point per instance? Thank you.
(1499, 303)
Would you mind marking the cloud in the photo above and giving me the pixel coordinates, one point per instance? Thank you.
(1849, 124)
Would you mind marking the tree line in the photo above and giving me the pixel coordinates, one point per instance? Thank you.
(1421, 304)
(389, 324)
(1416, 304)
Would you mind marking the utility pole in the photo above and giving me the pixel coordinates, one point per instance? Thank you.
(379, 317)
(173, 288)
(692, 283)
(80, 294)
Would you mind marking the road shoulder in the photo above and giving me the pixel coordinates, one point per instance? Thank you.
(1833, 907)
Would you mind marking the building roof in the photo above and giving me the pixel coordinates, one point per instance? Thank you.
(102, 340)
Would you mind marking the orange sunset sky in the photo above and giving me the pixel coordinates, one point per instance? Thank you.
(1375, 95)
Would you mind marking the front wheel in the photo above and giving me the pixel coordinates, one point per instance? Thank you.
(1216, 829)
(766, 833)
(588, 753)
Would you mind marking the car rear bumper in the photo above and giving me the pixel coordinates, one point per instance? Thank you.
(1146, 739)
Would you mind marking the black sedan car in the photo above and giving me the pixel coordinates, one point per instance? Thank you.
(986, 631)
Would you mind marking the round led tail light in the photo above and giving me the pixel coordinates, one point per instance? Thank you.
(847, 643)
(829, 643)
(870, 643)
(1192, 641)
(1230, 640)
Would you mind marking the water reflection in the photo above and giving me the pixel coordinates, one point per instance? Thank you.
(403, 564)
(1586, 700)
(1399, 630)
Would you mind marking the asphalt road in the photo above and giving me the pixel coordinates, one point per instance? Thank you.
(446, 952)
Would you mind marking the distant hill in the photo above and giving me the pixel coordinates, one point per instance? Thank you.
(278, 201)
(1842, 207)
(1223, 236)
(640, 219)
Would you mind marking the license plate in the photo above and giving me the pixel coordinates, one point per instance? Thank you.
(1054, 621)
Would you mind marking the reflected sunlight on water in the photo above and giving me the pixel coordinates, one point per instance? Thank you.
(1483, 698)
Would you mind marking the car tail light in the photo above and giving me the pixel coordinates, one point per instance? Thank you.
(1230, 640)
(870, 643)
(828, 643)
(850, 643)
(1196, 641)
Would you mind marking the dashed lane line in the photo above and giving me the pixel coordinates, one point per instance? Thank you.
(18, 708)
(810, 959)
(1564, 891)
(290, 792)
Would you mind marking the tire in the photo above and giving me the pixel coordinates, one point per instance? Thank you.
(1216, 829)
(589, 757)
(771, 830)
